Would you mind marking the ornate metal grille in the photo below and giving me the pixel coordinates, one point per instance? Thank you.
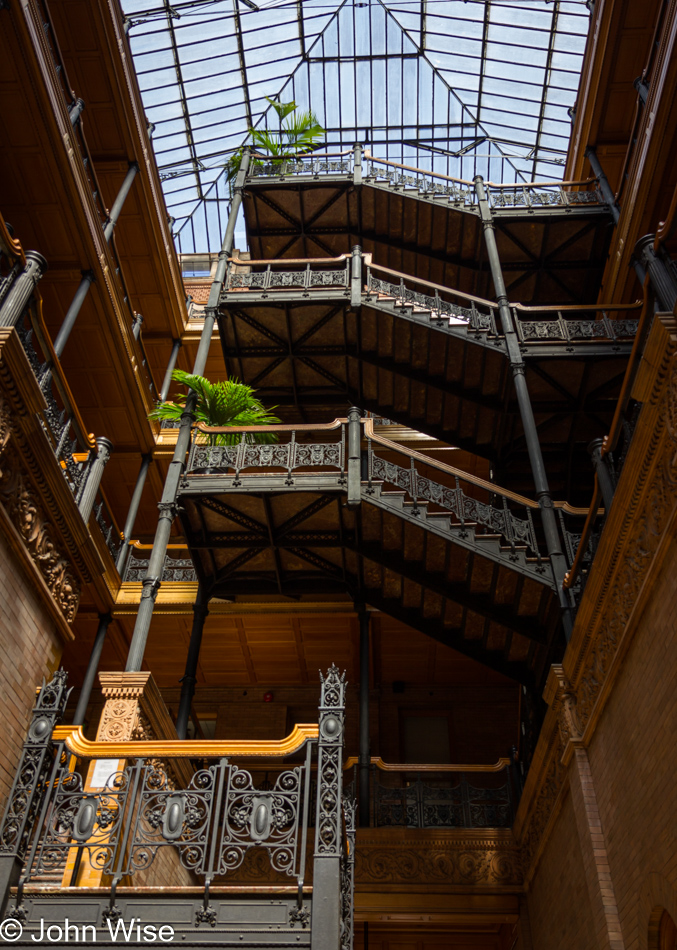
(177, 569)
(426, 806)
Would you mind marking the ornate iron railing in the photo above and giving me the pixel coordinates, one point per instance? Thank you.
(176, 569)
(119, 823)
(462, 805)
(432, 303)
(530, 196)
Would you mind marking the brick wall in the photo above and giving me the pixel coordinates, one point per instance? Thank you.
(559, 903)
(30, 647)
(632, 766)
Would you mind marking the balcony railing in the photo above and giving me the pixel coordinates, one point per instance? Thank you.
(440, 796)
(530, 196)
(189, 803)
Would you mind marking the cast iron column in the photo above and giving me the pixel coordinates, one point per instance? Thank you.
(21, 290)
(132, 513)
(200, 612)
(168, 505)
(92, 668)
(363, 794)
(93, 481)
(167, 381)
(88, 276)
(114, 212)
(88, 279)
(549, 521)
(662, 280)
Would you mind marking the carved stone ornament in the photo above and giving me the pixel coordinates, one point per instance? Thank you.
(27, 514)
(439, 861)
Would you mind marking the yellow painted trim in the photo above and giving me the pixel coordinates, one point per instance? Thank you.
(404, 767)
(179, 749)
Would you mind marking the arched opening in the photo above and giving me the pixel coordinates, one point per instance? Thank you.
(662, 931)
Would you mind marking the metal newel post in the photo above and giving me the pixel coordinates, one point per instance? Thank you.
(167, 505)
(92, 669)
(200, 613)
(88, 279)
(357, 165)
(354, 458)
(132, 513)
(601, 467)
(363, 791)
(167, 381)
(75, 111)
(326, 922)
(549, 520)
(86, 501)
(356, 278)
(125, 187)
(21, 290)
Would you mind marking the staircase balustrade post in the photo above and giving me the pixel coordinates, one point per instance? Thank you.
(326, 911)
(168, 506)
(356, 278)
(76, 111)
(31, 783)
(354, 458)
(357, 165)
(552, 537)
(93, 481)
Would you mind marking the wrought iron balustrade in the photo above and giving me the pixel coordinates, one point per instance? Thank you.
(72, 446)
(320, 276)
(176, 569)
(529, 196)
(118, 824)
(461, 805)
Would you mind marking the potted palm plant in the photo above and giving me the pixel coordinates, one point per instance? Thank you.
(299, 132)
(226, 403)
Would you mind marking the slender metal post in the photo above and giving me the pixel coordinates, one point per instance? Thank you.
(88, 279)
(357, 165)
(610, 199)
(93, 481)
(132, 513)
(167, 381)
(92, 669)
(189, 679)
(136, 326)
(601, 467)
(552, 538)
(604, 185)
(168, 505)
(114, 212)
(642, 87)
(363, 792)
(21, 290)
(75, 111)
(354, 459)
(662, 280)
(356, 278)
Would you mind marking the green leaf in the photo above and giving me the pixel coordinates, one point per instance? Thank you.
(282, 108)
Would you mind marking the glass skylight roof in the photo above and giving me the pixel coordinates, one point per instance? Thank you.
(459, 86)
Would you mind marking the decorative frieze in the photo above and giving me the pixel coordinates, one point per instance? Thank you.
(26, 512)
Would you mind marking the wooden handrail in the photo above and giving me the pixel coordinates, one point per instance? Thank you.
(77, 744)
(429, 283)
(498, 766)
(9, 245)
